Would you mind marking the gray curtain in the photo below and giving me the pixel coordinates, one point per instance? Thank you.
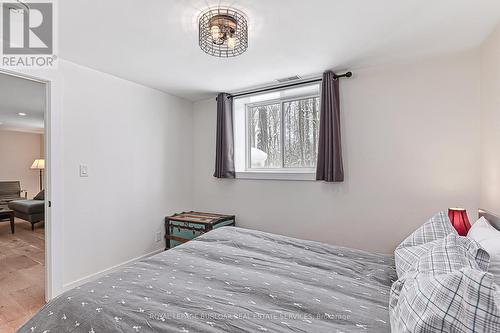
(329, 167)
(224, 152)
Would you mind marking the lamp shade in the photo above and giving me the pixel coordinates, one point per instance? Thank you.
(38, 164)
(459, 220)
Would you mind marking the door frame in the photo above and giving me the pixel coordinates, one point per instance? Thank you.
(52, 81)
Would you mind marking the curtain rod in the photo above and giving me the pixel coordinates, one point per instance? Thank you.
(348, 74)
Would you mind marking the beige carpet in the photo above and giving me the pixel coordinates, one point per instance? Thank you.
(22, 270)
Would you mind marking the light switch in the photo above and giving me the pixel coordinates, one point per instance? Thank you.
(84, 172)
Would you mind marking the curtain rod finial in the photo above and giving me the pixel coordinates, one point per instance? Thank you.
(348, 74)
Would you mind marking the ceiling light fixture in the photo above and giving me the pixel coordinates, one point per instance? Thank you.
(24, 4)
(22, 114)
(223, 32)
(18, 7)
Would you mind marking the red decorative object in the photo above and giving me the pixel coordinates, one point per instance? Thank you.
(459, 220)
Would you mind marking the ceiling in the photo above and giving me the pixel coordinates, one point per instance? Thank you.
(155, 42)
(21, 96)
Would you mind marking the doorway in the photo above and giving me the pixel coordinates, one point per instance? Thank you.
(24, 218)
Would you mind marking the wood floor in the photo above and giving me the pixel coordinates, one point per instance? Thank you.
(22, 269)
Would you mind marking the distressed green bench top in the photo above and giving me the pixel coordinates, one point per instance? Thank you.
(185, 226)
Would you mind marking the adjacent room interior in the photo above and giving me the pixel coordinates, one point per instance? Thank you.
(252, 166)
(22, 205)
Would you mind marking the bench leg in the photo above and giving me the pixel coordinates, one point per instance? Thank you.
(32, 226)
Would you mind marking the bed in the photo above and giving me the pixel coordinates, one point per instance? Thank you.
(232, 280)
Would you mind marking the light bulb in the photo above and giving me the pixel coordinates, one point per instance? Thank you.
(231, 41)
(215, 31)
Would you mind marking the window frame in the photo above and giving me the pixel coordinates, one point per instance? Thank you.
(282, 173)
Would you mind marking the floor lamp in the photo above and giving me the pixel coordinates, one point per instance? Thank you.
(40, 165)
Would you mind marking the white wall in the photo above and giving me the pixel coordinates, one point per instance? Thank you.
(490, 123)
(18, 150)
(410, 140)
(136, 143)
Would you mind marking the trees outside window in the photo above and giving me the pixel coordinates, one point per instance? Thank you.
(283, 134)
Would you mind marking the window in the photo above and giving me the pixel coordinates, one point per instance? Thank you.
(277, 133)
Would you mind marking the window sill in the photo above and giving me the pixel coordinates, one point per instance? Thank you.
(270, 175)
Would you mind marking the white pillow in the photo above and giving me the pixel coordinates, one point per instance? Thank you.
(489, 239)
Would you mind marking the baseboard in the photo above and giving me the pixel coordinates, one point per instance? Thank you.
(106, 271)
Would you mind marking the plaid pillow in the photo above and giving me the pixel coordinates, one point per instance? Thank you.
(450, 254)
(437, 227)
(415, 245)
(443, 285)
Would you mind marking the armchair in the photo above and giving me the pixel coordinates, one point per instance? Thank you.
(10, 191)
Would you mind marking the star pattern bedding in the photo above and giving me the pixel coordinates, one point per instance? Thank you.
(232, 280)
